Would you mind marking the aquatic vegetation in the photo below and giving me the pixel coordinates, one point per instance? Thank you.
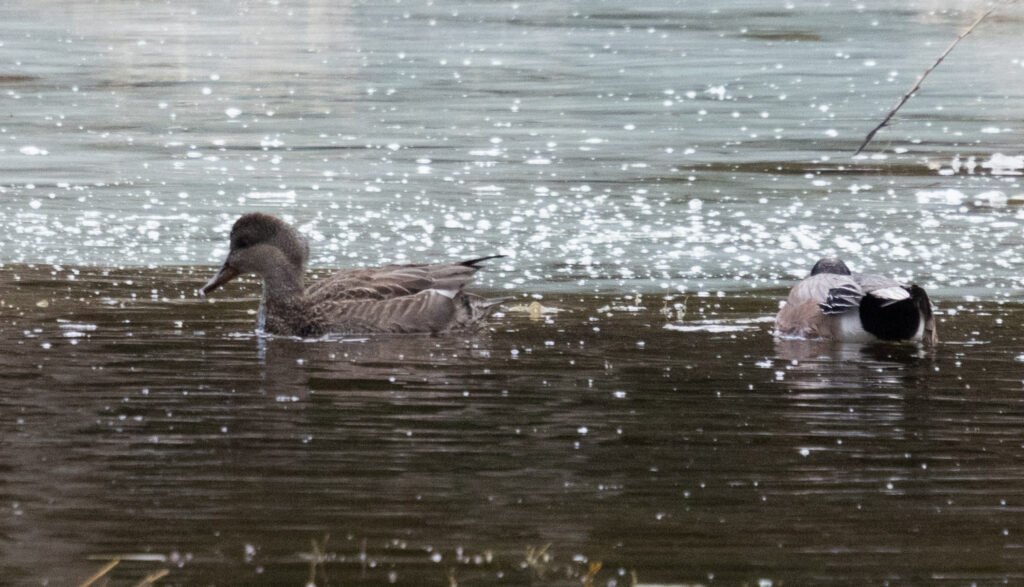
(102, 576)
(538, 560)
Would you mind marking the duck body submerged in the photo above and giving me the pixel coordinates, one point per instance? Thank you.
(424, 298)
(835, 304)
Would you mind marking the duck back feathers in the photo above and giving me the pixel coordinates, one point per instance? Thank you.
(392, 281)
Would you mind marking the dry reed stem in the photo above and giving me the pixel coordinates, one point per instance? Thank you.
(100, 573)
(317, 565)
(588, 579)
(153, 578)
(917, 85)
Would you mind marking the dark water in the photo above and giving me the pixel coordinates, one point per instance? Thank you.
(140, 422)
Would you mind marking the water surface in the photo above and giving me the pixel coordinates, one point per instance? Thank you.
(141, 422)
(602, 145)
(659, 174)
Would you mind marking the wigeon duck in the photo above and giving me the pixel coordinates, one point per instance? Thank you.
(835, 304)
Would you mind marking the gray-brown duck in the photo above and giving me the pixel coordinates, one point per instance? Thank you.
(834, 303)
(427, 298)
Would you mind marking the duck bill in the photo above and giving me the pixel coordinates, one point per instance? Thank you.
(226, 274)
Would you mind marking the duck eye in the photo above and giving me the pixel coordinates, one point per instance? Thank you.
(241, 243)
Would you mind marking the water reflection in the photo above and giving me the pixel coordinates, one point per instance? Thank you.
(388, 361)
(815, 357)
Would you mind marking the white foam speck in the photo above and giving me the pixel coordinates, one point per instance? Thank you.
(712, 328)
(1004, 164)
(490, 189)
(948, 196)
(283, 197)
(995, 199)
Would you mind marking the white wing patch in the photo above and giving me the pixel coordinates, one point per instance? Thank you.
(448, 293)
(891, 295)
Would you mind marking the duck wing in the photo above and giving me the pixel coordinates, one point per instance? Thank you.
(428, 311)
(812, 303)
(393, 281)
(887, 290)
(831, 292)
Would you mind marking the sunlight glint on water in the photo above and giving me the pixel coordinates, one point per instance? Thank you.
(673, 148)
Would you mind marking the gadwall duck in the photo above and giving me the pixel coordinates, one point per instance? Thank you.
(390, 299)
(835, 304)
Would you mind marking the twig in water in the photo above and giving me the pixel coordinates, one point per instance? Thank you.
(538, 559)
(917, 86)
(152, 578)
(100, 573)
(317, 567)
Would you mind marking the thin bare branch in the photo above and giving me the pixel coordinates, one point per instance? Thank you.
(917, 85)
(152, 578)
(100, 573)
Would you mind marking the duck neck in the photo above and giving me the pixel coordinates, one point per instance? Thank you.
(282, 296)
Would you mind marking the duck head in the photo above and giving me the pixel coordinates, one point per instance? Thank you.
(830, 265)
(266, 246)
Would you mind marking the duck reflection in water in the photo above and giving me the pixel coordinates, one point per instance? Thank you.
(370, 365)
(847, 366)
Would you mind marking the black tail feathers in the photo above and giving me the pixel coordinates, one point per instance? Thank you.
(474, 263)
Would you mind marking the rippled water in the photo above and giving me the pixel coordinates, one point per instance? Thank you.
(673, 439)
(658, 173)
